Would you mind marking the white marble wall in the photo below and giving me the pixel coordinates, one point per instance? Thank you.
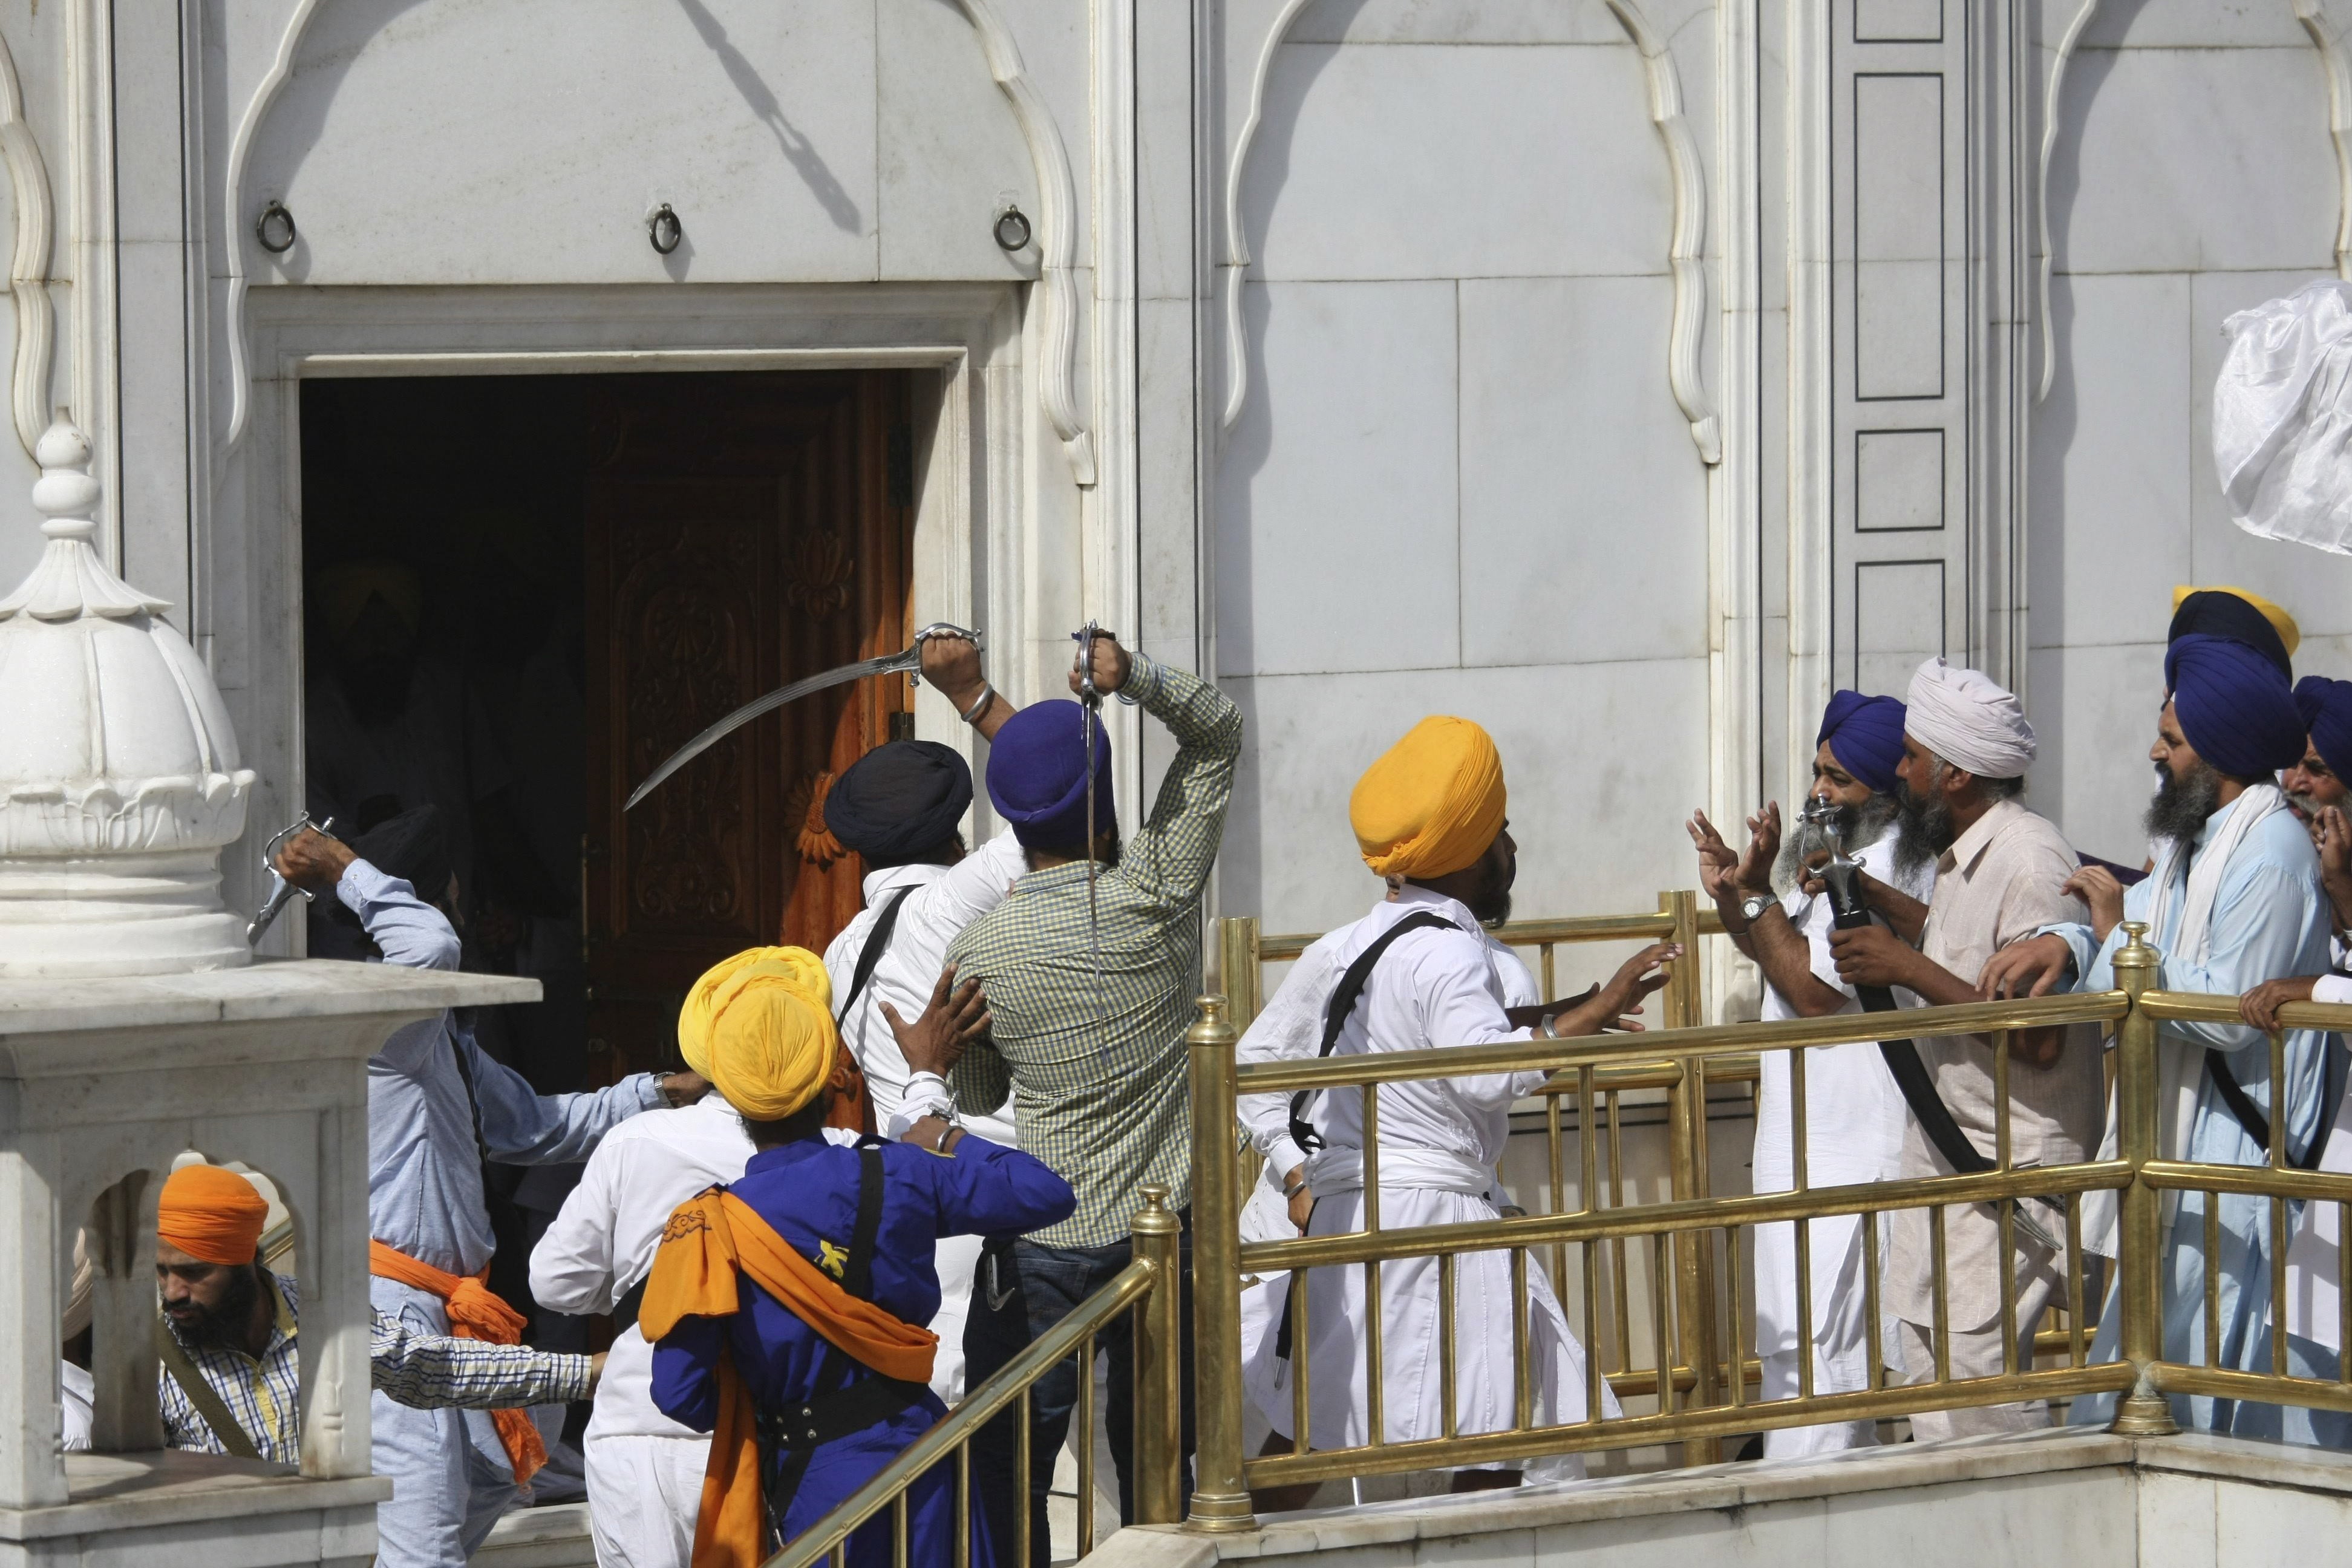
(1461, 483)
(2193, 177)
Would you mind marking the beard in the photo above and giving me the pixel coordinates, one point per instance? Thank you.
(1856, 828)
(2182, 805)
(1926, 827)
(222, 1327)
(2306, 808)
(1493, 908)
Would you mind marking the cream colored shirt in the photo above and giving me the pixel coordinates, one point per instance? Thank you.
(2001, 881)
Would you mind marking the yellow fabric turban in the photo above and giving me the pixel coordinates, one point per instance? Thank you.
(760, 1028)
(1432, 804)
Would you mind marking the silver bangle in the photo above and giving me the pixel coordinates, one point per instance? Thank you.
(987, 696)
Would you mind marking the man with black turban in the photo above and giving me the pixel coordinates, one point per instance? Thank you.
(899, 806)
(2234, 900)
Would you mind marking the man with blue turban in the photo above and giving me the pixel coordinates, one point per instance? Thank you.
(2234, 900)
(1853, 1112)
(1091, 965)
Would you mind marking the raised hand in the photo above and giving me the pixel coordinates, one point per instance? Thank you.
(1716, 862)
(956, 1016)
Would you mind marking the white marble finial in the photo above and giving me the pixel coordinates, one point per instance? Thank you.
(119, 776)
(71, 580)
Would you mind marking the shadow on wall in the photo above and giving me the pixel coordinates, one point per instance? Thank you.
(1241, 869)
(342, 35)
(796, 147)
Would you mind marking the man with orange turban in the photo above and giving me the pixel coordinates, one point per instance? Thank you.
(1414, 973)
(228, 1372)
(802, 1287)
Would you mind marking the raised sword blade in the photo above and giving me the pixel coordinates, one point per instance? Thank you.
(885, 664)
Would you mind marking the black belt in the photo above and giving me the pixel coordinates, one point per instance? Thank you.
(830, 1416)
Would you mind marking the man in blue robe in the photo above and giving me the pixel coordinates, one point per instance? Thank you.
(853, 1226)
(2234, 900)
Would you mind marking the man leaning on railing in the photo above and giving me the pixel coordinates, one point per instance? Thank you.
(2001, 876)
(2235, 899)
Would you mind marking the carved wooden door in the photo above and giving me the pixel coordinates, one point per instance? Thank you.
(744, 530)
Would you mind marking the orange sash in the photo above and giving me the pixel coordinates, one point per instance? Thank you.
(708, 1239)
(474, 1314)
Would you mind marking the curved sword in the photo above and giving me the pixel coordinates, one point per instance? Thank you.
(911, 661)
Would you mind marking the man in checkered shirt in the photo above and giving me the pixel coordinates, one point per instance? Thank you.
(1091, 995)
(232, 1331)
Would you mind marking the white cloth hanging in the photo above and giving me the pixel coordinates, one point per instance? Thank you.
(2282, 418)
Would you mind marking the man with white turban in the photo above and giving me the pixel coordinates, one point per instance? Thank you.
(1416, 973)
(2001, 876)
(2235, 899)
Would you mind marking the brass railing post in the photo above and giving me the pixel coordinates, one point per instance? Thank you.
(1158, 1365)
(1693, 1314)
(2142, 1413)
(1220, 1498)
(1237, 956)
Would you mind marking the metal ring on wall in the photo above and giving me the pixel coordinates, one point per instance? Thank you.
(275, 228)
(665, 230)
(1013, 229)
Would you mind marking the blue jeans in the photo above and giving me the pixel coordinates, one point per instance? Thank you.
(1019, 1292)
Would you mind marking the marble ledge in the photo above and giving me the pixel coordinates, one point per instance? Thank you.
(114, 1492)
(266, 991)
(1736, 1486)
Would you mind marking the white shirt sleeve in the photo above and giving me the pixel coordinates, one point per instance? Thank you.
(1288, 1029)
(2334, 988)
(572, 1267)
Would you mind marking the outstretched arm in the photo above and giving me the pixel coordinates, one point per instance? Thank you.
(430, 1372)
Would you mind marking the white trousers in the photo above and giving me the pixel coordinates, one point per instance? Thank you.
(1840, 1331)
(644, 1495)
(1486, 1348)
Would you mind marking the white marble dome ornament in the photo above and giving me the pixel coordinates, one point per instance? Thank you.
(119, 776)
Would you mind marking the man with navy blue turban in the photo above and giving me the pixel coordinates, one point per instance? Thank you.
(2234, 900)
(1853, 1112)
(1090, 967)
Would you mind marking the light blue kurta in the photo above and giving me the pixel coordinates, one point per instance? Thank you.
(449, 1473)
(2270, 920)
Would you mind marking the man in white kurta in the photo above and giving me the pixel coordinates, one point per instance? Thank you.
(899, 808)
(1431, 811)
(645, 1470)
(1288, 1029)
(1853, 1112)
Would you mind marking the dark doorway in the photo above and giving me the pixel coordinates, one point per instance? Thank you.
(523, 593)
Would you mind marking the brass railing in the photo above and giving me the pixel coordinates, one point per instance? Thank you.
(1714, 1401)
(1699, 1327)
(1148, 1288)
(1693, 1356)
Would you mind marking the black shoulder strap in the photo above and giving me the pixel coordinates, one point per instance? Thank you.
(857, 1275)
(1928, 1108)
(877, 942)
(2256, 1126)
(1344, 997)
(202, 1394)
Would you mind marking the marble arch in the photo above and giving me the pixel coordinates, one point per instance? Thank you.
(1683, 252)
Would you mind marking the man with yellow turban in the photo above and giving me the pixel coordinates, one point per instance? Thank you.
(801, 1287)
(1415, 973)
(228, 1372)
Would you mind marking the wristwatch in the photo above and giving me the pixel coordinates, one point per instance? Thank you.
(1753, 907)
